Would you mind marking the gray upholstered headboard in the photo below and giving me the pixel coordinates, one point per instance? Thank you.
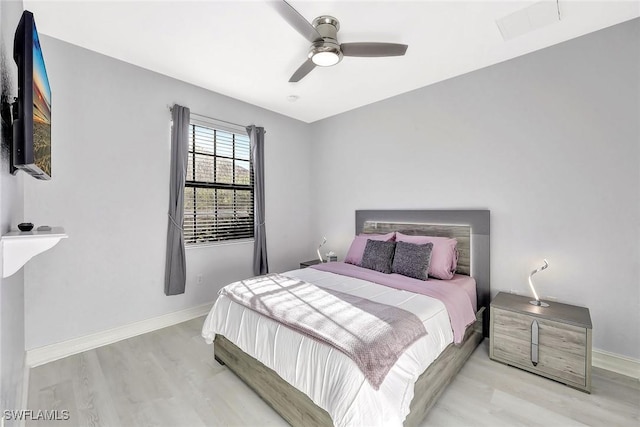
(470, 227)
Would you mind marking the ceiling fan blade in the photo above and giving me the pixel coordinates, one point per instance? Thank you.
(373, 49)
(297, 21)
(304, 69)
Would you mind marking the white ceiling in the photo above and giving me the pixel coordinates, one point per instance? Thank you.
(245, 50)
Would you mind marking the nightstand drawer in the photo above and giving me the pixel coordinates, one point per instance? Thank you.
(561, 349)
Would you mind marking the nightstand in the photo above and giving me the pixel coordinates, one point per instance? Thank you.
(306, 264)
(553, 341)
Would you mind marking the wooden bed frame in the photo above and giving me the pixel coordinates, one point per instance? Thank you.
(471, 228)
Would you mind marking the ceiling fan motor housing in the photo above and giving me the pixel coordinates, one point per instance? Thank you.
(326, 52)
(327, 26)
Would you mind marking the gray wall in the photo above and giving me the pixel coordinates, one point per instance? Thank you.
(12, 334)
(110, 190)
(549, 142)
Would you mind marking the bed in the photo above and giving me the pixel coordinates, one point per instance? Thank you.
(418, 377)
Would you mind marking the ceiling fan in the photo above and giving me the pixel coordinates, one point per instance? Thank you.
(325, 50)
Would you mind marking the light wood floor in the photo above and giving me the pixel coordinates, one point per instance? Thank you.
(169, 378)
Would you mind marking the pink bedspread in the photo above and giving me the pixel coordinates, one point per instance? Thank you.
(464, 282)
(454, 298)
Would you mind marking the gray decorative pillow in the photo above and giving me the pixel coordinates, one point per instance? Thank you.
(412, 260)
(378, 256)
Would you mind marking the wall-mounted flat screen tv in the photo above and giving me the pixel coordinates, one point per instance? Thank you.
(32, 114)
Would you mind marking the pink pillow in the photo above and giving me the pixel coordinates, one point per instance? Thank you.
(354, 255)
(444, 255)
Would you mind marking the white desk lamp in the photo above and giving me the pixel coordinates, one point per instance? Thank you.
(324, 240)
(535, 294)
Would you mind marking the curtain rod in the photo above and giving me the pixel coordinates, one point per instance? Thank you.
(212, 118)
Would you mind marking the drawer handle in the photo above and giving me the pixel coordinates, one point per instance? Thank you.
(534, 342)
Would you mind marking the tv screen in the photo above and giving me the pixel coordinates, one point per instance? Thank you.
(32, 124)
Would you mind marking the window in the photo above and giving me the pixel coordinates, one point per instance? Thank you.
(218, 201)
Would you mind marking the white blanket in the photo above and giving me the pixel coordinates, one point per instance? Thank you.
(327, 376)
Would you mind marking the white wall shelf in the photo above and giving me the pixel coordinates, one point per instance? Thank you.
(18, 247)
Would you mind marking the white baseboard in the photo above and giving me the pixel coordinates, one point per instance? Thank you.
(616, 363)
(41, 355)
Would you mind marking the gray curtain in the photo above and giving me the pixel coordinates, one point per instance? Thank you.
(176, 268)
(260, 264)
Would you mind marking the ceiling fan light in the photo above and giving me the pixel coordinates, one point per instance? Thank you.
(325, 59)
(325, 53)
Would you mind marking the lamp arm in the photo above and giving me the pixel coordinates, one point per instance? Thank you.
(544, 267)
(535, 295)
(324, 240)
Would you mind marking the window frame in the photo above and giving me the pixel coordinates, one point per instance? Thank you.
(192, 241)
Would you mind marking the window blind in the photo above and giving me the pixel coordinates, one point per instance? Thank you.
(218, 203)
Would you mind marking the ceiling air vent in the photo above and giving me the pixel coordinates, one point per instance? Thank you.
(530, 18)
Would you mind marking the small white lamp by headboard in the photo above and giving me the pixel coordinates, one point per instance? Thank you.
(324, 240)
(535, 294)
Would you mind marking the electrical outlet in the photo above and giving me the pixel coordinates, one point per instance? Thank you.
(199, 279)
